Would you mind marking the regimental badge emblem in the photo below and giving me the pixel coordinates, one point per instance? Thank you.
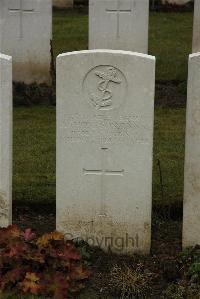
(105, 87)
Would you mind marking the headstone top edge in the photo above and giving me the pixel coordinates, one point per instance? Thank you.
(194, 55)
(108, 51)
(5, 57)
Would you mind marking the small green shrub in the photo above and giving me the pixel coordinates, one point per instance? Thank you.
(191, 261)
(194, 269)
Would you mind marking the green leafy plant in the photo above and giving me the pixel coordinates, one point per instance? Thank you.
(194, 269)
(191, 262)
(48, 266)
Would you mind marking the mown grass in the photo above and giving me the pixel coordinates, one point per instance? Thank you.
(34, 153)
(169, 144)
(170, 39)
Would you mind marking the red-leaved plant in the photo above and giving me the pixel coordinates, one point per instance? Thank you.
(47, 266)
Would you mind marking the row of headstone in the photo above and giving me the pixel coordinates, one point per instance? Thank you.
(26, 32)
(104, 148)
(104, 141)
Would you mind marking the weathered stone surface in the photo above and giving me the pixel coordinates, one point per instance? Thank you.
(25, 34)
(5, 140)
(105, 103)
(63, 3)
(191, 211)
(119, 24)
(196, 27)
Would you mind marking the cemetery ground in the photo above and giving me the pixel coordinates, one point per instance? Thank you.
(166, 272)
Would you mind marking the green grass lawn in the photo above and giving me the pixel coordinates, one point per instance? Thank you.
(169, 144)
(170, 39)
(34, 153)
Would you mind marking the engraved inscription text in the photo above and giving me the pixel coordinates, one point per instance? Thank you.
(105, 130)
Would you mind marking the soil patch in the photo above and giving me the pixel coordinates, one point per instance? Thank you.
(169, 93)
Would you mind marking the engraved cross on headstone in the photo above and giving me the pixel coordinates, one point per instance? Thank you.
(21, 11)
(103, 172)
(118, 12)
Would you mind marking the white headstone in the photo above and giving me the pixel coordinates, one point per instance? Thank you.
(105, 104)
(25, 34)
(196, 27)
(5, 140)
(191, 210)
(119, 24)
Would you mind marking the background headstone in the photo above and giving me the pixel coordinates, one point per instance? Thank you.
(119, 24)
(191, 211)
(26, 31)
(105, 104)
(196, 27)
(5, 140)
(63, 3)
